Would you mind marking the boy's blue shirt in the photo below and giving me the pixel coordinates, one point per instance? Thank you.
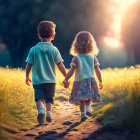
(43, 58)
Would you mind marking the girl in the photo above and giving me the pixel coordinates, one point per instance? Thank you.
(84, 62)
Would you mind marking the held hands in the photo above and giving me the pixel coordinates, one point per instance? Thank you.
(66, 83)
(100, 85)
(28, 81)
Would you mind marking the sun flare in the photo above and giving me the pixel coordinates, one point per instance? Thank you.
(112, 42)
(118, 9)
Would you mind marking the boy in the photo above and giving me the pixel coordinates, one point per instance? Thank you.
(42, 59)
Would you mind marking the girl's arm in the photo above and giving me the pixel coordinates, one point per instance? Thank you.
(72, 69)
(69, 74)
(28, 69)
(98, 74)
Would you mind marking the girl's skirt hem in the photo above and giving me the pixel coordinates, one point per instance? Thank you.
(84, 90)
(77, 101)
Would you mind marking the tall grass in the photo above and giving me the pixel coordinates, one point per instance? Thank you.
(120, 96)
(121, 99)
(16, 99)
(17, 106)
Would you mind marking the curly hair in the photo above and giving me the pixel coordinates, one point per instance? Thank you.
(84, 43)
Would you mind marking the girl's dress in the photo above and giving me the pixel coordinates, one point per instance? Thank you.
(84, 86)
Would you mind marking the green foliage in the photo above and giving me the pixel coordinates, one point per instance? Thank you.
(112, 122)
(124, 113)
(16, 27)
(121, 107)
(19, 20)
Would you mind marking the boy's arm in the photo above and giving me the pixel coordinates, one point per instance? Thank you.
(62, 68)
(28, 69)
(98, 74)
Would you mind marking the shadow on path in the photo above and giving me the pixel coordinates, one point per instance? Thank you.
(52, 135)
(38, 126)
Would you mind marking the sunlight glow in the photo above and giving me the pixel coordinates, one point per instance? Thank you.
(114, 40)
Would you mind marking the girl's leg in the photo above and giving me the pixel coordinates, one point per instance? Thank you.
(82, 106)
(49, 110)
(87, 103)
(82, 109)
(41, 111)
(88, 110)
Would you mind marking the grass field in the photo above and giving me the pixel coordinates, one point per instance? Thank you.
(119, 108)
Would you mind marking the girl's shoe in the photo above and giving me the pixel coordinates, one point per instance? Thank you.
(89, 113)
(83, 119)
(83, 116)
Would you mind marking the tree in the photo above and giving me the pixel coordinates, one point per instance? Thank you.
(19, 20)
(130, 32)
(77, 15)
(18, 26)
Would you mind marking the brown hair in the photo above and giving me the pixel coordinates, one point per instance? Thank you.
(84, 43)
(46, 29)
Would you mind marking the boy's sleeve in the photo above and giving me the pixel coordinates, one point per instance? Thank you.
(74, 61)
(58, 57)
(30, 57)
(96, 62)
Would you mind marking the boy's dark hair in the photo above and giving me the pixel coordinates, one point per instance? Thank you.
(46, 29)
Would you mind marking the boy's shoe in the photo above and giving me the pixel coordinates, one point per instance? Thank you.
(89, 113)
(40, 118)
(49, 117)
(41, 114)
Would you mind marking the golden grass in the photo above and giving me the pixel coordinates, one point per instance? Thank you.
(18, 109)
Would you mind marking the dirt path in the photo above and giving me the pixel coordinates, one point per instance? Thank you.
(66, 125)
(71, 129)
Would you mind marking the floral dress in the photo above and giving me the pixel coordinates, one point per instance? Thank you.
(86, 89)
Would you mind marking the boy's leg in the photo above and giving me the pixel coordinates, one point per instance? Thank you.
(49, 110)
(88, 110)
(41, 111)
(40, 99)
(49, 91)
(82, 109)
